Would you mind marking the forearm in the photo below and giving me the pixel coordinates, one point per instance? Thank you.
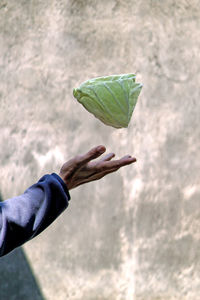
(25, 216)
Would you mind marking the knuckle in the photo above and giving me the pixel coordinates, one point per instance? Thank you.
(77, 159)
(92, 153)
(118, 164)
(99, 168)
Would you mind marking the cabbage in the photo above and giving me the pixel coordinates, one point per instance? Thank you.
(111, 99)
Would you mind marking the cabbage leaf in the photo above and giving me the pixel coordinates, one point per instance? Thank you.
(111, 99)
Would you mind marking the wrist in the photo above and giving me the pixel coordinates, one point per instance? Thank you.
(63, 183)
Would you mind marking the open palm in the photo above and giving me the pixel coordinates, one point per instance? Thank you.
(82, 168)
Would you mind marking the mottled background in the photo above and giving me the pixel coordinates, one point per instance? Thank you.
(134, 234)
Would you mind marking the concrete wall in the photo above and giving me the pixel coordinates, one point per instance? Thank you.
(134, 234)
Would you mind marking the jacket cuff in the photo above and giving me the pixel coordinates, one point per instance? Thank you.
(63, 184)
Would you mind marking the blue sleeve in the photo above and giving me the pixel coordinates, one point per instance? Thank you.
(25, 216)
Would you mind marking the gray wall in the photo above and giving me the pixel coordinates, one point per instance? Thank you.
(134, 234)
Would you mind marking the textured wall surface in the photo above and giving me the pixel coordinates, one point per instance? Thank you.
(134, 234)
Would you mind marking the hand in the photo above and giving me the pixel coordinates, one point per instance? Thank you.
(82, 169)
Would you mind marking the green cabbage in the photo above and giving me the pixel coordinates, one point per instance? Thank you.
(111, 99)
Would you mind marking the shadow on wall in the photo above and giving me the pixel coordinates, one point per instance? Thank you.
(16, 278)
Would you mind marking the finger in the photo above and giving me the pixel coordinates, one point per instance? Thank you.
(93, 164)
(92, 154)
(128, 159)
(108, 165)
(100, 175)
(108, 157)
